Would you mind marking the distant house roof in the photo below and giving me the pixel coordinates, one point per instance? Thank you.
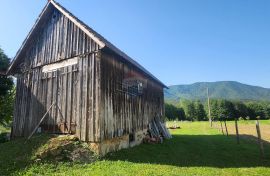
(100, 40)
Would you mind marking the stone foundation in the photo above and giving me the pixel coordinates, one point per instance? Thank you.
(118, 143)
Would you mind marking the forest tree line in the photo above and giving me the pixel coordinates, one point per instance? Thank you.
(195, 110)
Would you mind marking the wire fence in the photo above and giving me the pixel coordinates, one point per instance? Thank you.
(257, 131)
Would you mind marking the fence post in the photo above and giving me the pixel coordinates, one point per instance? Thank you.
(221, 127)
(260, 143)
(226, 127)
(237, 133)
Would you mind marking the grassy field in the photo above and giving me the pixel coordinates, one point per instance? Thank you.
(194, 150)
(4, 129)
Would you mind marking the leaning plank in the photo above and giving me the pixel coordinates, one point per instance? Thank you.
(160, 127)
(152, 131)
(168, 135)
(167, 131)
(155, 129)
(40, 121)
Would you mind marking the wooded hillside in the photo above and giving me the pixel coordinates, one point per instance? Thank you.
(229, 90)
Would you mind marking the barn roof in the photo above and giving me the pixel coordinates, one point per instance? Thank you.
(100, 40)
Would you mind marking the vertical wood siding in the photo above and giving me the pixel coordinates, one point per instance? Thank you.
(122, 113)
(86, 93)
(73, 88)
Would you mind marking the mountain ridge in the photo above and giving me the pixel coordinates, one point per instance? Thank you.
(231, 90)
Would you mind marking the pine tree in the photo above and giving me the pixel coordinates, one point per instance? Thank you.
(200, 113)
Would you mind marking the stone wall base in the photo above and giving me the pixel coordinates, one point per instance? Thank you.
(118, 143)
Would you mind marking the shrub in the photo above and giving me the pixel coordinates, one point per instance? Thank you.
(4, 137)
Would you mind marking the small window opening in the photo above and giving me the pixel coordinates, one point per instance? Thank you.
(133, 88)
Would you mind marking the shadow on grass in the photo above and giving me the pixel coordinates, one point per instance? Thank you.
(16, 155)
(183, 151)
(198, 151)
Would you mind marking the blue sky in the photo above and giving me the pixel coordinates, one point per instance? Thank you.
(179, 41)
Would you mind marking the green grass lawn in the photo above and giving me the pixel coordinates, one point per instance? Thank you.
(4, 129)
(194, 150)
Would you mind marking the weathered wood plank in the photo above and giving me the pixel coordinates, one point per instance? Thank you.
(123, 112)
(87, 97)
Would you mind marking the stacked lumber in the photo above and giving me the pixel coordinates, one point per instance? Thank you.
(157, 132)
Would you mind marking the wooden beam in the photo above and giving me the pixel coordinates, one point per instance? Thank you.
(209, 108)
(226, 127)
(260, 142)
(237, 132)
(55, 66)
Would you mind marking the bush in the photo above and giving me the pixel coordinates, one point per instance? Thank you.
(4, 137)
(7, 90)
(6, 107)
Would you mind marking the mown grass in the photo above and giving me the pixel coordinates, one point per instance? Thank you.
(194, 150)
(4, 129)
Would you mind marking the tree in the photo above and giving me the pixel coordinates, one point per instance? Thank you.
(220, 109)
(172, 112)
(190, 111)
(214, 110)
(256, 110)
(241, 109)
(181, 114)
(200, 113)
(267, 110)
(6, 83)
(6, 90)
(169, 111)
(6, 107)
(226, 109)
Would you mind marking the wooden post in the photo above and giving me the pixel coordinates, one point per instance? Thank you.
(226, 127)
(209, 109)
(237, 133)
(260, 143)
(63, 119)
(221, 127)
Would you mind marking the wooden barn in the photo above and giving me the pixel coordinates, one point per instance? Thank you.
(79, 83)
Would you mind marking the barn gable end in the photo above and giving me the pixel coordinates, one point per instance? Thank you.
(54, 37)
(54, 41)
(84, 82)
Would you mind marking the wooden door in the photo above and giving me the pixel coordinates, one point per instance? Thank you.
(65, 100)
(61, 84)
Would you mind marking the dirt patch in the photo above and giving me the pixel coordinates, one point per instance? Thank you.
(65, 148)
(248, 131)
